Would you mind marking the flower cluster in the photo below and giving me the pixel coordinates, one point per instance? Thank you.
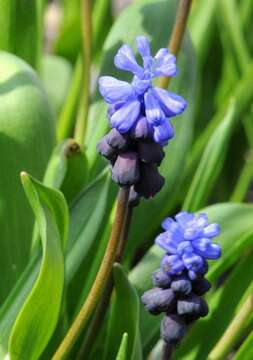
(179, 284)
(139, 115)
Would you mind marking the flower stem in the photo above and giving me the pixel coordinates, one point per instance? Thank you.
(177, 34)
(233, 332)
(105, 299)
(100, 281)
(82, 116)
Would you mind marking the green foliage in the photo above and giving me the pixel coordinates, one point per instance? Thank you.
(122, 321)
(25, 122)
(123, 347)
(51, 213)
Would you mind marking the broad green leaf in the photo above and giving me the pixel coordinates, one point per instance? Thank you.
(21, 29)
(124, 318)
(56, 74)
(223, 305)
(153, 19)
(42, 306)
(245, 351)
(123, 348)
(26, 141)
(211, 163)
(236, 236)
(93, 204)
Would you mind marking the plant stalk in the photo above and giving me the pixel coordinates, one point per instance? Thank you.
(233, 333)
(177, 34)
(167, 351)
(101, 278)
(100, 312)
(82, 116)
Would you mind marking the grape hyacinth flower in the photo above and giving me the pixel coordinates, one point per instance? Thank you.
(139, 114)
(179, 283)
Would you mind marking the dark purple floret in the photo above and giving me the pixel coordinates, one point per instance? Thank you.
(201, 286)
(158, 300)
(192, 305)
(150, 152)
(106, 150)
(173, 329)
(150, 182)
(181, 285)
(117, 140)
(125, 171)
(161, 279)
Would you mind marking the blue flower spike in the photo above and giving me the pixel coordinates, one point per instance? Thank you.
(139, 114)
(188, 242)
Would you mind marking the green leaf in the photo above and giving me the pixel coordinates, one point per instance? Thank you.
(211, 162)
(56, 74)
(122, 353)
(43, 303)
(86, 221)
(245, 351)
(26, 141)
(124, 318)
(21, 29)
(236, 236)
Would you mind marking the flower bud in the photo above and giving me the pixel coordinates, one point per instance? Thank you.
(125, 171)
(106, 150)
(173, 329)
(158, 300)
(141, 129)
(181, 285)
(201, 286)
(150, 182)
(117, 140)
(161, 279)
(150, 152)
(192, 305)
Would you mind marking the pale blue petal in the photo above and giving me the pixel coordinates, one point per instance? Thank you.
(140, 86)
(164, 63)
(183, 218)
(143, 46)
(125, 60)
(154, 113)
(192, 261)
(165, 243)
(167, 223)
(163, 133)
(202, 220)
(124, 118)
(213, 251)
(212, 230)
(172, 264)
(114, 90)
(171, 103)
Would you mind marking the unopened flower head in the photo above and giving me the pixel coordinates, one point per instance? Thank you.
(140, 101)
(187, 241)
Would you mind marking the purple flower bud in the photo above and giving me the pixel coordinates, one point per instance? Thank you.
(150, 152)
(181, 285)
(173, 329)
(106, 150)
(125, 171)
(201, 286)
(150, 182)
(192, 305)
(142, 129)
(134, 198)
(161, 279)
(117, 140)
(158, 300)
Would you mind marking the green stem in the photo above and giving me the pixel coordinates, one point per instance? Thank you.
(67, 117)
(244, 180)
(101, 279)
(105, 299)
(82, 117)
(177, 34)
(167, 351)
(233, 332)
